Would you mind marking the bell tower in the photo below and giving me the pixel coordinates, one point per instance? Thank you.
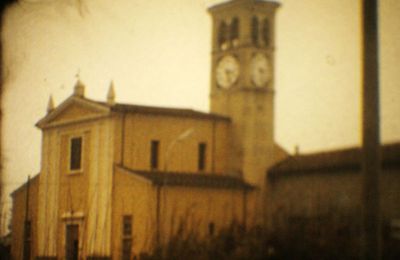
(242, 82)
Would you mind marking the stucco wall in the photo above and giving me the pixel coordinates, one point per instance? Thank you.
(339, 193)
(190, 208)
(136, 197)
(73, 197)
(390, 192)
(141, 129)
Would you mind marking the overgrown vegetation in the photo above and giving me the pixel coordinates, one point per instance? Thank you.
(323, 237)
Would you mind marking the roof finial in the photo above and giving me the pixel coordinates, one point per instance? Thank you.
(79, 89)
(111, 94)
(50, 105)
(78, 74)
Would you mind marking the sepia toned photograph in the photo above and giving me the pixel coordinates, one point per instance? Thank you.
(201, 129)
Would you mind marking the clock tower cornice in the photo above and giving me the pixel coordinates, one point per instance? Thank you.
(244, 47)
(226, 6)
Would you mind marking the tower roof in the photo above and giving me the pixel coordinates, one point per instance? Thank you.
(277, 3)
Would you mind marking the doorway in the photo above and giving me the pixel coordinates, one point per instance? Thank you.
(72, 242)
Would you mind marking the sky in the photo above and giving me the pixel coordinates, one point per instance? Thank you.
(158, 53)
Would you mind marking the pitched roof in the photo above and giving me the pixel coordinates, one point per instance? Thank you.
(127, 108)
(209, 180)
(332, 161)
(91, 105)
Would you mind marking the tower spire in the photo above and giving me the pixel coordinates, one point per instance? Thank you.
(111, 94)
(50, 104)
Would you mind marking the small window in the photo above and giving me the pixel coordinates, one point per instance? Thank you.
(266, 32)
(154, 150)
(211, 228)
(202, 156)
(127, 226)
(126, 237)
(75, 153)
(254, 30)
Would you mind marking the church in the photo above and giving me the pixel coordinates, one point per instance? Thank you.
(118, 179)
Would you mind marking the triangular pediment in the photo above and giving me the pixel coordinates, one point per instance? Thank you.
(74, 109)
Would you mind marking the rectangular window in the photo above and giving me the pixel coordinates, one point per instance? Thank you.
(202, 156)
(126, 237)
(75, 153)
(127, 225)
(155, 145)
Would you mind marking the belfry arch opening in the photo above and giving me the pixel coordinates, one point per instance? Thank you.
(234, 31)
(254, 30)
(223, 31)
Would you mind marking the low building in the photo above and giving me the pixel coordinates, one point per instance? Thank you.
(321, 191)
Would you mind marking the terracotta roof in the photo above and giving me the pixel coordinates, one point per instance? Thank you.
(210, 180)
(182, 112)
(332, 161)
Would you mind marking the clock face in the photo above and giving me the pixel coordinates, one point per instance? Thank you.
(227, 71)
(260, 70)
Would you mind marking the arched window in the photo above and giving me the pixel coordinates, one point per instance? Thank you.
(254, 30)
(266, 32)
(222, 34)
(234, 29)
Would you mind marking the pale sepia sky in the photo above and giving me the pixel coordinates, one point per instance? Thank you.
(158, 53)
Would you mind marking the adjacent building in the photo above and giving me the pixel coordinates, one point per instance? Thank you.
(328, 186)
